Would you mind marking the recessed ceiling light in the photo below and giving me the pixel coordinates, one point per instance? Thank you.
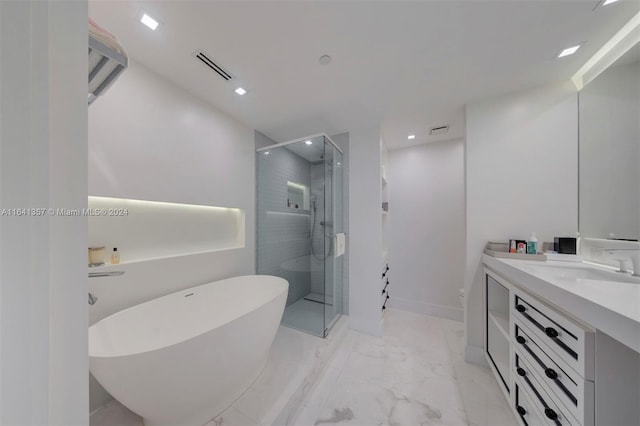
(411, 137)
(606, 2)
(308, 142)
(240, 91)
(568, 51)
(324, 60)
(149, 21)
(267, 153)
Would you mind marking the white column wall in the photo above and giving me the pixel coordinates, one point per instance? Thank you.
(365, 234)
(43, 163)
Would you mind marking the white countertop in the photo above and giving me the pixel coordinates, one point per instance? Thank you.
(609, 306)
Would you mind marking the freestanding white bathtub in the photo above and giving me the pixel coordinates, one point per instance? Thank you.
(182, 359)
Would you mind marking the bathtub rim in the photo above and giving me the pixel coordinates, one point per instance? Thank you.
(177, 342)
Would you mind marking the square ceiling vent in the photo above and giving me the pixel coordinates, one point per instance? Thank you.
(439, 130)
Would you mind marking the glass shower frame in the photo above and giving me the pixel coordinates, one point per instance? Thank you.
(315, 299)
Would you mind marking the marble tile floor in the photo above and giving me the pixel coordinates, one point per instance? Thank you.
(414, 375)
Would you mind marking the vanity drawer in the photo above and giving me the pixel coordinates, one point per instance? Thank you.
(552, 412)
(526, 409)
(573, 343)
(574, 392)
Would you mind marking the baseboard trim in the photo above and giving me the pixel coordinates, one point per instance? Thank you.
(427, 309)
(371, 327)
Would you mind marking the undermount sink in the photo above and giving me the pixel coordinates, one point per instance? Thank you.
(575, 272)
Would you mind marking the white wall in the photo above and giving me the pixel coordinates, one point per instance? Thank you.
(365, 236)
(150, 140)
(427, 218)
(43, 152)
(521, 176)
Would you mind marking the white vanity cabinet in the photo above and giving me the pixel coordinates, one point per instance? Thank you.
(553, 358)
(564, 352)
(543, 360)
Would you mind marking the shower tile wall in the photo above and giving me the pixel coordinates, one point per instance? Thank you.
(283, 242)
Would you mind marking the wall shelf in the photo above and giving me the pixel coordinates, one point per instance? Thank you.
(497, 347)
(502, 323)
(151, 230)
(110, 267)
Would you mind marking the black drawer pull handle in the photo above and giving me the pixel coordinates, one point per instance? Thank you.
(521, 410)
(551, 373)
(551, 332)
(521, 372)
(521, 340)
(550, 414)
(520, 308)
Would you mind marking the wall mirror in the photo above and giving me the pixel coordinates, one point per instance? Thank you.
(297, 196)
(609, 151)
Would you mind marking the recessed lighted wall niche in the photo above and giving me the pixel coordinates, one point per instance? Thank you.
(144, 230)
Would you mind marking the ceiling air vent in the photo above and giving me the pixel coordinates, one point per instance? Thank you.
(440, 130)
(205, 59)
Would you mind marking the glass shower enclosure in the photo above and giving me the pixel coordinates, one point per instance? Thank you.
(299, 212)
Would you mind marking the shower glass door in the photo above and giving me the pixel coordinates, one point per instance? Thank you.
(299, 211)
(333, 266)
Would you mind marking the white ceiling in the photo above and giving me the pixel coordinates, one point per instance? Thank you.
(406, 66)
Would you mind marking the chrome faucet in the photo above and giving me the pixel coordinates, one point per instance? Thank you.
(92, 299)
(634, 256)
(105, 274)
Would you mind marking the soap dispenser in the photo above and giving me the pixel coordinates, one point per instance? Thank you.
(532, 244)
(115, 256)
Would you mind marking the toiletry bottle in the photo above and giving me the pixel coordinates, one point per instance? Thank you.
(532, 244)
(115, 256)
